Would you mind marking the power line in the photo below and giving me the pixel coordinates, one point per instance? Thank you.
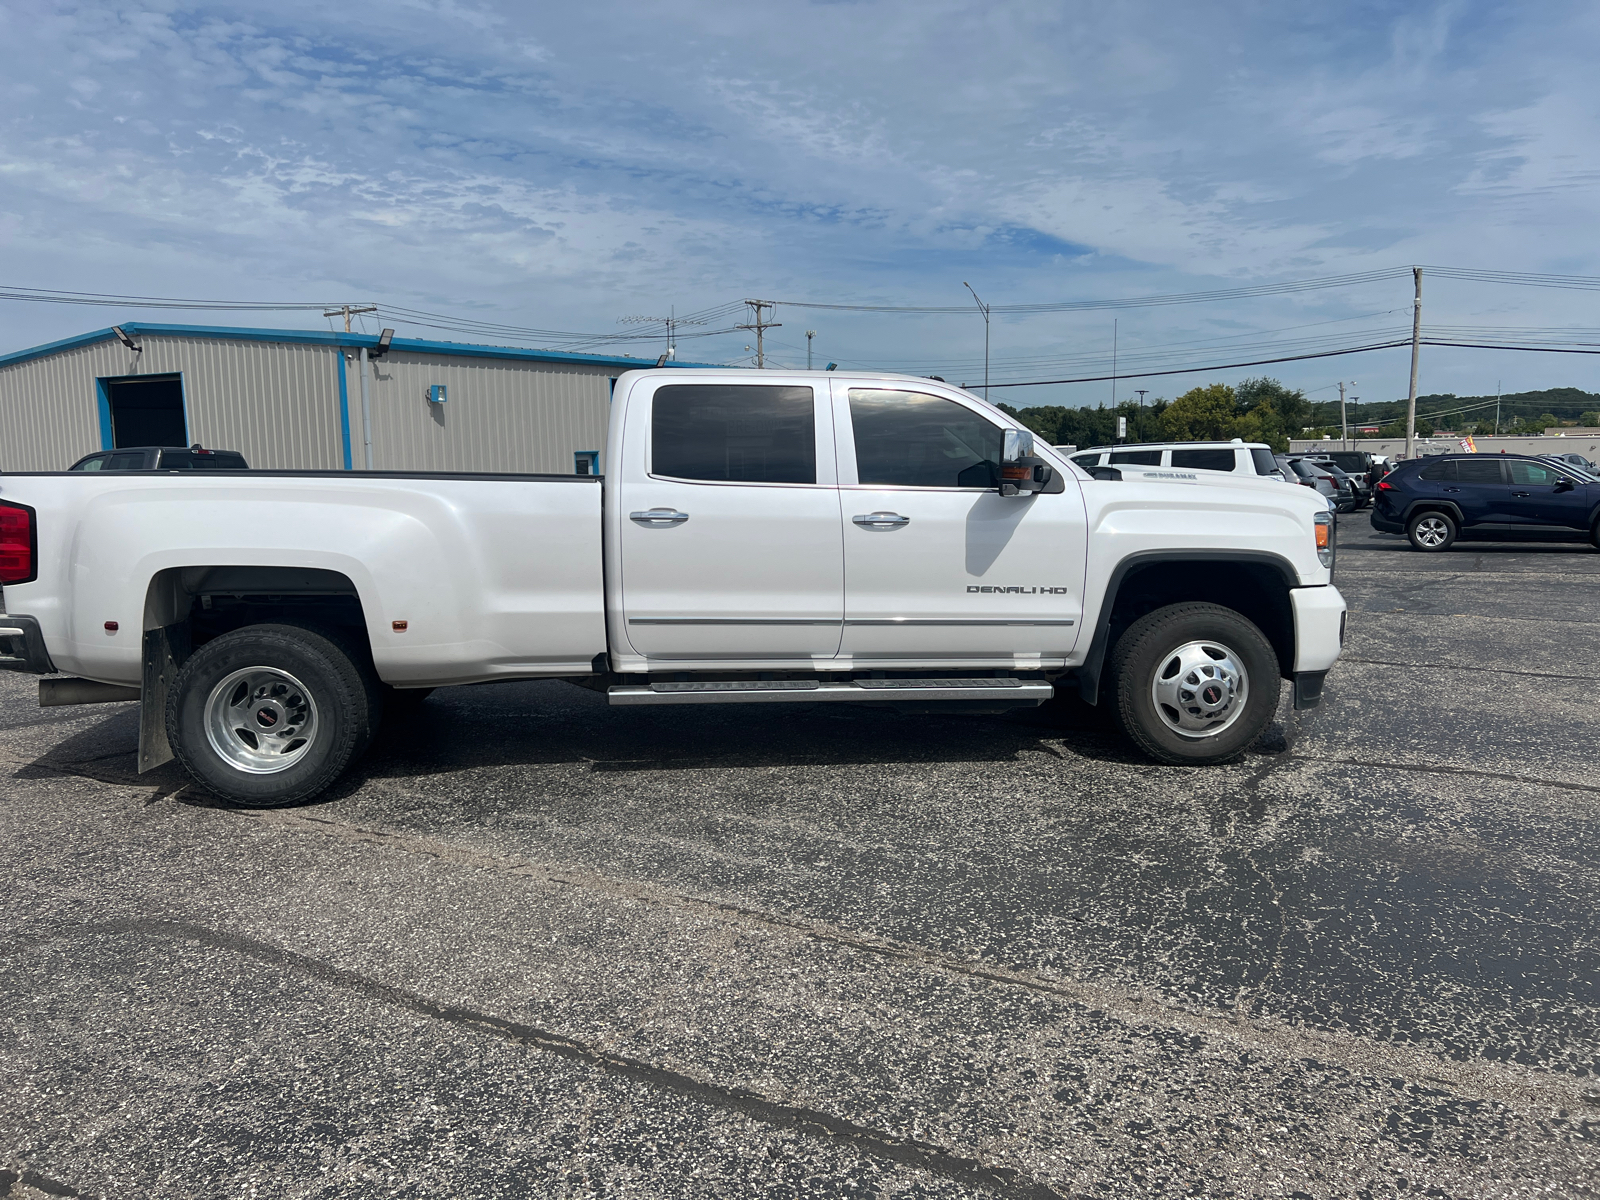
(1264, 289)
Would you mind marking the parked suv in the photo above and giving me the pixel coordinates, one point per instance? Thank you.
(1503, 497)
(1357, 479)
(1243, 458)
(162, 458)
(1325, 478)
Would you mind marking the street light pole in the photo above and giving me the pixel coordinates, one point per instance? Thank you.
(984, 309)
(810, 333)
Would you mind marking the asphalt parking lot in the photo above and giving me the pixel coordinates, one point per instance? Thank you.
(537, 946)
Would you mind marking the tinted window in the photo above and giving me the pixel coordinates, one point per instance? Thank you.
(916, 440)
(1136, 458)
(1523, 471)
(91, 464)
(1265, 463)
(1438, 469)
(1477, 470)
(734, 433)
(1205, 460)
(183, 460)
(129, 461)
(1087, 460)
(1303, 469)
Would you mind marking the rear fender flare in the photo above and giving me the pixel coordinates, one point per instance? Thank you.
(1449, 507)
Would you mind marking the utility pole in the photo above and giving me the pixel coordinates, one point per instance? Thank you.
(349, 311)
(810, 333)
(1416, 347)
(984, 309)
(1113, 362)
(760, 324)
(1344, 422)
(670, 322)
(1497, 408)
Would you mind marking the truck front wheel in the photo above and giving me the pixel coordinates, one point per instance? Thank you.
(1195, 683)
(270, 715)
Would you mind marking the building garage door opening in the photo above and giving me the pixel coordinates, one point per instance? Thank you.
(147, 411)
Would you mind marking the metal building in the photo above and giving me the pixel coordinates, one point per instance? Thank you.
(292, 400)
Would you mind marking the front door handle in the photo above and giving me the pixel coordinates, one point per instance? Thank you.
(1452, 489)
(659, 516)
(1524, 495)
(881, 520)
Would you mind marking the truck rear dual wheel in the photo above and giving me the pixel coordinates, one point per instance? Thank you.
(1195, 683)
(271, 715)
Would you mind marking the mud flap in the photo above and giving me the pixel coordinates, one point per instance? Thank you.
(1308, 688)
(164, 652)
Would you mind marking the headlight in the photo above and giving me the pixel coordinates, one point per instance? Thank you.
(1323, 525)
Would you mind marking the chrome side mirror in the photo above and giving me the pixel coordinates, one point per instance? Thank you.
(1020, 472)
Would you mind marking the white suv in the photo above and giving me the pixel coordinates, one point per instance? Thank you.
(1239, 457)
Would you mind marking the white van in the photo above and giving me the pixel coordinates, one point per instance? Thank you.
(1238, 457)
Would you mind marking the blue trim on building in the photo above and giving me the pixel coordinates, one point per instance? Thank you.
(344, 405)
(351, 340)
(103, 400)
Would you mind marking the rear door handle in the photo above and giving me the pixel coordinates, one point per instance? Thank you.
(1524, 495)
(659, 516)
(1452, 489)
(881, 520)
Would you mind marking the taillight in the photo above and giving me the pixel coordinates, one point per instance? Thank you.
(19, 547)
(1385, 486)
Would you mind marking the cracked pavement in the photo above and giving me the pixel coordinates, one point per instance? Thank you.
(538, 946)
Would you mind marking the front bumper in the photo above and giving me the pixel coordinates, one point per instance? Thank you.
(1318, 627)
(22, 646)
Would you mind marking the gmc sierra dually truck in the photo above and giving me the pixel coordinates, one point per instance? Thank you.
(787, 537)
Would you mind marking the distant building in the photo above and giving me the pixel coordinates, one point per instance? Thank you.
(291, 399)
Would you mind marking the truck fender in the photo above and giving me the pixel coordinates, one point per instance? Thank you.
(1088, 674)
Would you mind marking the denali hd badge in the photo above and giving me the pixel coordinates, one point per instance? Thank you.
(1021, 591)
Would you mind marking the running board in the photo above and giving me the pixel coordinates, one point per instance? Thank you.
(1007, 692)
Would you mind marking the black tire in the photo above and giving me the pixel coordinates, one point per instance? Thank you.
(1142, 661)
(1432, 532)
(1594, 534)
(242, 744)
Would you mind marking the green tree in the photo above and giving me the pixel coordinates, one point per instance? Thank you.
(1590, 419)
(1202, 414)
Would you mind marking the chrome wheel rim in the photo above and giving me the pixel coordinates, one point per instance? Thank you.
(261, 720)
(1431, 532)
(1200, 689)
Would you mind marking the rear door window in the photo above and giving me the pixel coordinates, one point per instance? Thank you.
(91, 464)
(1205, 460)
(1136, 458)
(1264, 462)
(911, 439)
(131, 460)
(1476, 470)
(734, 433)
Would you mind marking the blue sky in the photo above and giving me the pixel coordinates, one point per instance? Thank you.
(561, 166)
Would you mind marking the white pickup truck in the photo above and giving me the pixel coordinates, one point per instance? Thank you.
(793, 537)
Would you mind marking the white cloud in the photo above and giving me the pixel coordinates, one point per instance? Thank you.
(566, 165)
